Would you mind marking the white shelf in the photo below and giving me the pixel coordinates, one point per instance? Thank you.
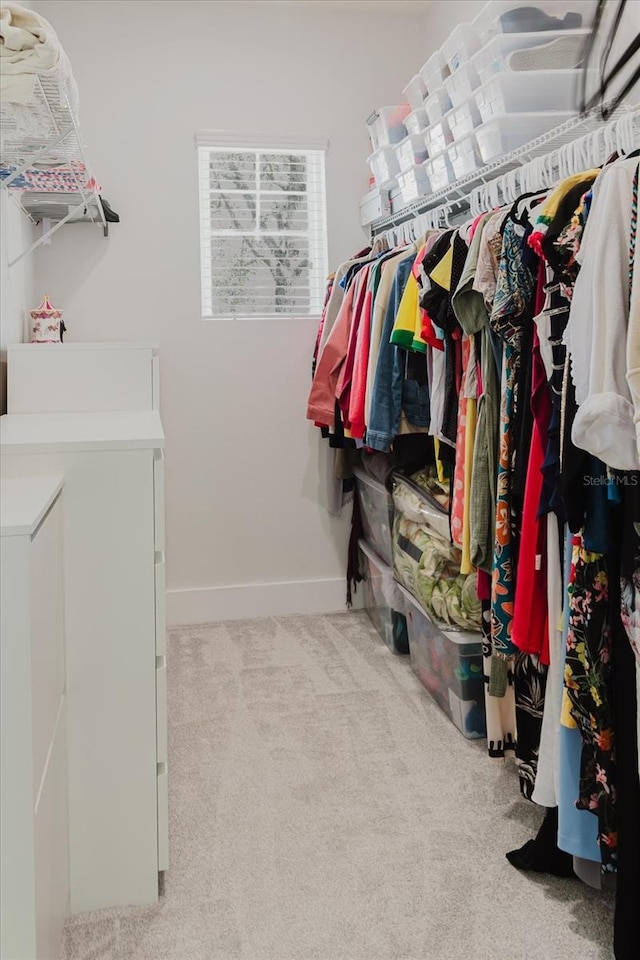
(456, 197)
(44, 134)
(70, 432)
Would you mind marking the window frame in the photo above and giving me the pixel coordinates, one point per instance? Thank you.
(316, 233)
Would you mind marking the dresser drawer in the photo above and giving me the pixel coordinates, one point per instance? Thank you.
(161, 607)
(51, 852)
(161, 709)
(163, 817)
(158, 499)
(47, 640)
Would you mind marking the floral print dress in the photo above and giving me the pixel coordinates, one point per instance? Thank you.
(588, 684)
(514, 292)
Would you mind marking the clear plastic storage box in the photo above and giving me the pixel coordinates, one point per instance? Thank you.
(494, 56)
(464, 156)
(434, 71)
(437, 104)
(448, 663)
(374, 204)
(416, 121)
(460, 46)
(512, 130)
(529, 92)
(413, 183)
(415, 92)
(464, 119)
(412, 150)
(503, 16)
(383, 600)
(386, 125)
(376, 508)
(438, 137)
(395, 199)
(384, 165)
(440, 172)
(461, 84)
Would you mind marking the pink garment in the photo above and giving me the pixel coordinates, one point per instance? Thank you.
(322, 398)
(357, 401)
(343, 387)
(530, 628)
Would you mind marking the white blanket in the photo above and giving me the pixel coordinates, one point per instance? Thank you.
(29, 47)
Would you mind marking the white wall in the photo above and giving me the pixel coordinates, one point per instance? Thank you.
(243, 488)
(17, 294)
(443, 15)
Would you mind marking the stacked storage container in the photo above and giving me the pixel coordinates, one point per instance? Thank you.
(382, 597)
(497, 83)
(442, 607)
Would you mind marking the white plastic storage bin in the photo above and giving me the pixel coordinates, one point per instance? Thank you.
(512, 130)
(461, 84)
(416, 121)
(415, 92)
(463, 120)
(494, 56)
(412, 150)
(383, 600)
(376, 508)
(529, 92)
(448, 663)
(434, 71)
(440, 172)
(413, 183)
(374, 204)
(395, 198)
(436, 105)
(461, 46)
(465, 157)
(494, 18)
(386, 125)
(384, 165)
(438, 137)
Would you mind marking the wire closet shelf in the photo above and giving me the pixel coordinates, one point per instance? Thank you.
(44, 134)
(578, 144)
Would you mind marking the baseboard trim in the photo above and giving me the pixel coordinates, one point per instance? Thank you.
(248, 600)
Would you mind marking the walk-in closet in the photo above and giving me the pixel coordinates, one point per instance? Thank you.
(319, 480)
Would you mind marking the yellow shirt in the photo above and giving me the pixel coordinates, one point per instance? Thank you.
(407, 329)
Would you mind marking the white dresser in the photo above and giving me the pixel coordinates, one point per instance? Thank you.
(34, 877)
(102, 433)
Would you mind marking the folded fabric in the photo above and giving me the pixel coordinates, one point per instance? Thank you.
(30, 48)
(428, 565)
(62, 179)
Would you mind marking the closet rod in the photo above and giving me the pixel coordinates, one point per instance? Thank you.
(577, 144)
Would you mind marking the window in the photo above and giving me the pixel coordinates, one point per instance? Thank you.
(263, 236)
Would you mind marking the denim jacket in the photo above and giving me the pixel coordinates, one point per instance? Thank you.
(393, 391)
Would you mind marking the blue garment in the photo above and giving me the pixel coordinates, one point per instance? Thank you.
(393, 392)
(577, 829)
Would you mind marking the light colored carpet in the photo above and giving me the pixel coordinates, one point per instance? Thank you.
(323, 808)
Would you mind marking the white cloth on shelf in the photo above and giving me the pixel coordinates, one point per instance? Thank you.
(633, 344)
(29, 47)
(596, 334)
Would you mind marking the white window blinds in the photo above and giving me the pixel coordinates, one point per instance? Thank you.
(263, 232)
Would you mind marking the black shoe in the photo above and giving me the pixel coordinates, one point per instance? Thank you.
(110, 215)
(534, 20)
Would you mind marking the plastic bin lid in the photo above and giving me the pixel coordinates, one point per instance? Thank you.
(367, 478)
(370, 553)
